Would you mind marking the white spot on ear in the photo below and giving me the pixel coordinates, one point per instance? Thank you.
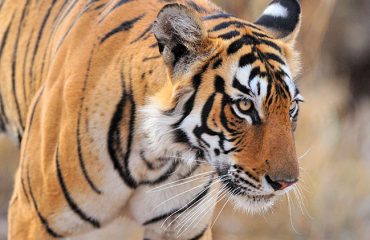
(276, 10)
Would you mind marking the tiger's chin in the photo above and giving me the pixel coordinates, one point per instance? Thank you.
(253, 204)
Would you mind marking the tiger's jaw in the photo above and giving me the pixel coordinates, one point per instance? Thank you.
(249, 194)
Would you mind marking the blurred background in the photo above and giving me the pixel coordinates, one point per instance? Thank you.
(333, 135)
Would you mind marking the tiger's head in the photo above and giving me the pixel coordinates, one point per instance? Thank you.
(230, 98)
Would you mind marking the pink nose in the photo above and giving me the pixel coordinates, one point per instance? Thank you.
(284, 185)
(280, 184)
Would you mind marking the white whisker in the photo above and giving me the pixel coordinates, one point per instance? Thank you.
(177, 195)
(208, 207)
(198, 202)
(220, 212)
(305, 153)
(303, 202)
(290, 214)
(185, 207)
(193, 211)
(196, 216)
(181, 181)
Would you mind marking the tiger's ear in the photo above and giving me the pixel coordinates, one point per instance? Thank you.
(282, 18)
(181, 36)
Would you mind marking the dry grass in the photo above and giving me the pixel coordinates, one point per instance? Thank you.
(336, 169)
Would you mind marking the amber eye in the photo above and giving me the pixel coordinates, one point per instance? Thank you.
(245, 105)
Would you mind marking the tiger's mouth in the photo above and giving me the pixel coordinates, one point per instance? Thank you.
(248, 200)
(247, 193)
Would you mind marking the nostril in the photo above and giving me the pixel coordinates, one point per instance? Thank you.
(275, 185)
(279, 185)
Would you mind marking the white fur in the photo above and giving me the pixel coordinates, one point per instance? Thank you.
(157, 131)
(243, 74)
(276, 10)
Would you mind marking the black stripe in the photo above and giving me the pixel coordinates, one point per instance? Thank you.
(234, 23)
(30, 123)
(188, 107)
(250, 40)
(99, 6)
(203, 128)
(107, 13)
(226, 100)
(71, 203)
(125, 26)
(3, 118)
(114, 138)
(276, 58)
(154, 45)
(39, 36)
(24, 67)
(50, 37)
(247, 182)
(71, 26)
(180, 136)
(150, 165)
(240, 87)
(259, 35)
(65, 13)
(224, 25)
(118, 4)
(247, 59)
(229, 35)
(238, 44)
(258, 88)
(5, 37)
(255, 71)
(78, 133)
(269, 43)
(219, 84)
(207, 108)
(43, 220)
(217, 63)
(200, 235)
(164, 176)
(146, 31)
(187, 206)
(217, 16)
(14, 65)
(196, 7)
(2, 124)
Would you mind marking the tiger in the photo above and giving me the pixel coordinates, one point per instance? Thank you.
(149, 109)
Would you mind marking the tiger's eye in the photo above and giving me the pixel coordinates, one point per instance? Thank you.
(244, 105)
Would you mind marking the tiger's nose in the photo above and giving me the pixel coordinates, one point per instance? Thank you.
(280, 184)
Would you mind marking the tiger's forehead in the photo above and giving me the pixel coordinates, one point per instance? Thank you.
(256, 60)
(257, 81)
(258, 70)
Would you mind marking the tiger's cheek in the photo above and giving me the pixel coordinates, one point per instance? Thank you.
(234, 126)
(247, 142)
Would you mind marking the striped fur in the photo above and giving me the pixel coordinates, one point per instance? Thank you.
(110, 99)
